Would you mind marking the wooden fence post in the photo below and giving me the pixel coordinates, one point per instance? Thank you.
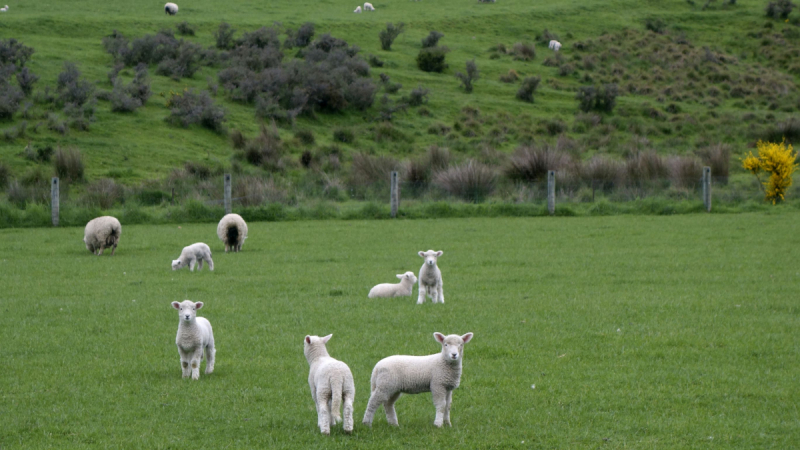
(227, 193)
(707, 188)
(395, 195)
(54, 196)
(551, 191)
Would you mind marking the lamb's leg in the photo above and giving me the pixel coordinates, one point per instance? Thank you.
(113, 249)
(441, 293)
(196, 357)
(422, 293)
(391, 414)
(433, 293)
(192, 263)
(447, 408)
(375, 401)
(439, 395)
(323, 413)
(199, 265)
(185, 371)
(100, 252)
(210, 264)
(211, 354)
(349, 397)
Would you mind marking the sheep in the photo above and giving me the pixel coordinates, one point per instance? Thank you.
(402, 289)
(368, 7)
(555, 45)
(194, 254)
(430, 278)
(232, 231)
(4, 8)
(194, 337)
(331, 382)
(438, 374)
(358, 10)
(171, 9)
(101, 233)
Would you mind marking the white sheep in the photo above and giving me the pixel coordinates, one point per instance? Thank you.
(194, 254)
(438, 374)
(171, 9)
(402, 289)
(555, 45)
(358, 10)
(232, 230)
(194, 337)
(4, 8)
(331, 383)
(430, 278)
(102, 233)
(368, 7)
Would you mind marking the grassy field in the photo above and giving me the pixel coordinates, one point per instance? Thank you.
(637, 332)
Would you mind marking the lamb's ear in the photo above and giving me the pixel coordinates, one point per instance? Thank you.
(308, 339)
(176, 305)
(422, 254)
(439, 253)
(327, 338)
(400, 275)
(467, 337)
(439, 337)
(198, 305)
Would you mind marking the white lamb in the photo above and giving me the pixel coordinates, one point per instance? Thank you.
(555, 45)
(331, 383)
(4, 8)
(438, 374)
(358, 10)
(171, 9)
(368, 7)
(430, 278)
(402, 289)
(232, 230)
(102, 233)
(194, 337)
(192, 255)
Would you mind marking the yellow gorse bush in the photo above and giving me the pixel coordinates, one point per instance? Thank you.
(779, 161)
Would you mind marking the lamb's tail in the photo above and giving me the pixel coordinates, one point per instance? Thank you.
(337, 384)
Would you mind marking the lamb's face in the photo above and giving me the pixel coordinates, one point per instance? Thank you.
(408, 276)
(431, 257)
(177, 264)
(187, 309)
(452, 345)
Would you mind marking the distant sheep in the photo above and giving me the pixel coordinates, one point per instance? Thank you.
(232, 230)
(331, 383)
(194, 254)
(402, 289)
(555, 45)
(438, 374)
(101, 233)
(368, 7)
(171, 9)
(194, 337)
(358, 10)
(430, 278)
(4, 8)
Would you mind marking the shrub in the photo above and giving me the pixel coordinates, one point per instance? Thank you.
(121, 101)
(10, 98)
(718, 157)
(17, 194)
(196, 108)
(305, 136)
(418, 96)
(261, 38)
(69, 164)
(566, 69)
(509, 77)
(468, 78)
(685, 171)
(645, 167)
(5, 175)
(103, 193)
(238, 140)
(388, 35)
(600, 98)
(523, 51)
(531, 164)
(304, 35)
(374, 61)
(388, 86)
(432, 59)
(184, 64)
(71, 88)
(367, 170)
(789, 130)
(344, 135)
(604, 172)
(656, 25)
(779, 160)
(265, 150)
(472, 181)
(547, 36)
(184, 29)
(779, 9)
(528, 88)
(361, 93)
(223, 37)
(26, 80)
(14, 52)
(432, 39)
(438, 158)
(306, 158)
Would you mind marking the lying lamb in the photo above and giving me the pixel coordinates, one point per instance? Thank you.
(101, 233)
(194, 337)
(555, 45)
(331, 383)
(232, 231)
(194, 254)
(368, 7)
(402, 289)
(438, 374)
(171, 9)
(430, 278)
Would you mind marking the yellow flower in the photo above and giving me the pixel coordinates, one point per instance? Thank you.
(779, 161)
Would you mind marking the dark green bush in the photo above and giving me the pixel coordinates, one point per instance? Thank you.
(432, 59)
(388, 35)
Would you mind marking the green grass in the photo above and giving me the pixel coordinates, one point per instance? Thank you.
(637, 331)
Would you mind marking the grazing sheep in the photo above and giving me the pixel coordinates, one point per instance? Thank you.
(232, 230)
(194, 254)
(430, 278)
(402, 289)
(4, 8)
(194, 336)
(101, 233)
(358, 10)
(555, 45)
(331, 383)
(368, 7)
(171, 9)
(438, 374)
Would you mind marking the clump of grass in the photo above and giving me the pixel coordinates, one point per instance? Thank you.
(238, 140)
(646, 167)
(185, 29)
(471, 181)
(603, 172)
(509, 77)
(528, 88)
(344, 135)
(718, 158)
(255, 191)
(685, 171)
(305, 136)
(69, 164)
(367, 170)
(531, 163)
(104, 193)
(523, 51)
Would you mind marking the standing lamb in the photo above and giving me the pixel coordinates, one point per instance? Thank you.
(171, 9)
(232, 230)
(331, 383)
(194, 254)
(430, 278)
(555, 45)
(402, 289)
(194, 337)
(357, 10)
(438, 374)
(101, 233)
(368, 7)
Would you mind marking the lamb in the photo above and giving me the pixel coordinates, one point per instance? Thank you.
(555, 45)
(358, 10)
(438, 374)
(194, 254)
(368, 7)
(101, 233)
(194, 337)
(232, 231)
(171, 9)
(402, 289)
(430, 278)
(4, 8)
(331, 382)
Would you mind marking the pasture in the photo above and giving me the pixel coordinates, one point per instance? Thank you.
(637, 332)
